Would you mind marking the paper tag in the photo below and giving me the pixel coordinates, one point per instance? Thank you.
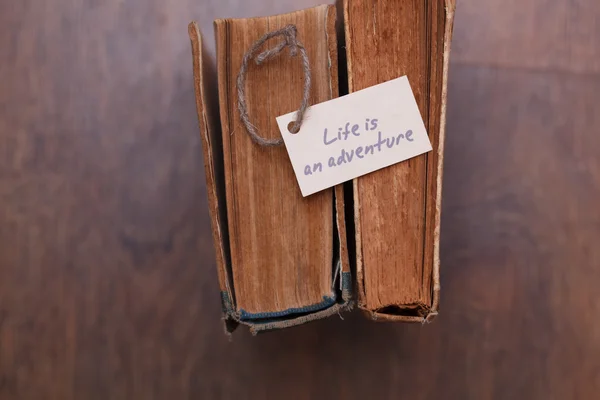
(350, 136)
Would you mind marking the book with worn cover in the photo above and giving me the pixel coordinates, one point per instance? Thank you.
(281, 258)
(398, 208)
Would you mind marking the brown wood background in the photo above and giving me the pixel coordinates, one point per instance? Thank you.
(107, 282)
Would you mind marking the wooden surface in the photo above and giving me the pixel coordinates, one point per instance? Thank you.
(279, 239)
(107, 282)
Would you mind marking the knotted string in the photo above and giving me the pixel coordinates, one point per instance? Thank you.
(289, 33)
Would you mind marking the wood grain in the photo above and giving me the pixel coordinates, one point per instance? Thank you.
(108, 285)
(519, 226)
(536, 34)
(279, 240)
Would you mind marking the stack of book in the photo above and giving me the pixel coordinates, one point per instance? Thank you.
(284, 259)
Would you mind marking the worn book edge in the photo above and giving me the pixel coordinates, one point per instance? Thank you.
(450, 7)
(213, 161)
(209, 134)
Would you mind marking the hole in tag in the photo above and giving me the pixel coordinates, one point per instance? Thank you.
(291, 129)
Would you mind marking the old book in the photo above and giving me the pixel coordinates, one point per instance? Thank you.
(205, 88)
(283, 257)
(397, 209)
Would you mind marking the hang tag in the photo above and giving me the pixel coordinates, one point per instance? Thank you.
(353, 135)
